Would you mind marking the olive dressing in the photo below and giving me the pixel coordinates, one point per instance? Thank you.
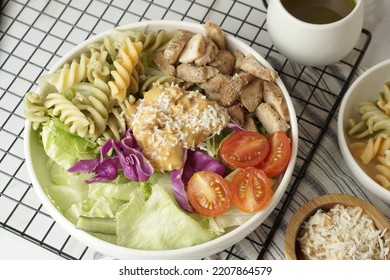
(319, 11)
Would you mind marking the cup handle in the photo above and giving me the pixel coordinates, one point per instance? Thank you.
(265, 3)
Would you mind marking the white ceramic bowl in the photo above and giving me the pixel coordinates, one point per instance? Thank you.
(366, 87)
(36, 163)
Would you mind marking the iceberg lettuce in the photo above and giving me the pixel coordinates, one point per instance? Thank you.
(158, 224)
(234, 217)
(65, 188)
(102, 207)
(117, 189)
(63, 147)
(146, 215)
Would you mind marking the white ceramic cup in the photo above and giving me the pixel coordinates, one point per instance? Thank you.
(313, 44)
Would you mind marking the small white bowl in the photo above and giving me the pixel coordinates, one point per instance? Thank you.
(36, 163)
(364, 88)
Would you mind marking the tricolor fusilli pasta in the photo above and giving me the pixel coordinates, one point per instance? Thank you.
(91, 93)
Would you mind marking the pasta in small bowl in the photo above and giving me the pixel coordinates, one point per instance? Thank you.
(364, 129)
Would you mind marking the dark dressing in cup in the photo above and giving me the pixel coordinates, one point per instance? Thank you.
(319, 11)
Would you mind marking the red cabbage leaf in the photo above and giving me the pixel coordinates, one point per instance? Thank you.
(128, 158)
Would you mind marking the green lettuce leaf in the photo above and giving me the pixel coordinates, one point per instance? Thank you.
(121, 188)
(74, 198)
(64, 147)
(102, 207)
(115, 190)
(64, 196)
(158, 224)
(214, 143)
(65, 188)
(233, 218)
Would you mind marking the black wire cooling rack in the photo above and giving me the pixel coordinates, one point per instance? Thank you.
(36, 33)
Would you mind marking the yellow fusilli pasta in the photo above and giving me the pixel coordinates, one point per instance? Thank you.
(68, 113)
(383, 178)
(124, 67)
(34, 109)
(384, 99)
(69, 75)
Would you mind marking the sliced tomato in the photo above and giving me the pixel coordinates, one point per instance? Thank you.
(244, 149)
(277, 159)
(208, 193)
(251, 189)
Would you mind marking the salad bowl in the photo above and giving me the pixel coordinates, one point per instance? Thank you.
(37, 164)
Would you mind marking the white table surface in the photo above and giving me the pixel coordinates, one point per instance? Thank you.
(377, 22)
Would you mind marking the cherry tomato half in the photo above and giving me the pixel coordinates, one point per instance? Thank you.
(208, 193)
(251, 189)
(279, 156)
(244, 149)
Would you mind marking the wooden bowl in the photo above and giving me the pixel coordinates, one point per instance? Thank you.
(291, 245)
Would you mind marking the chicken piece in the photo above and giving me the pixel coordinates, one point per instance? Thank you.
(176, 45)
(224, 62)
(230, 91)
(239, 59)
(162, 64)
(214, 83)
(252, 94)
(270, 119)
(250, 124)
(236, 113)
(273, 95)
(194, 74)
(210, 54)
(215, 33)
(251, 65)
(194, 49)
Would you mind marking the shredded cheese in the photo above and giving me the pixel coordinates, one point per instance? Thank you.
(340, 234)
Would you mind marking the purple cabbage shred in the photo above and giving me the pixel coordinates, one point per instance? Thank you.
(194, 161)
(128, 158)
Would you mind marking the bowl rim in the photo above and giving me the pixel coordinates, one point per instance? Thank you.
(197, 251)
(326, 202)
(354, 167)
